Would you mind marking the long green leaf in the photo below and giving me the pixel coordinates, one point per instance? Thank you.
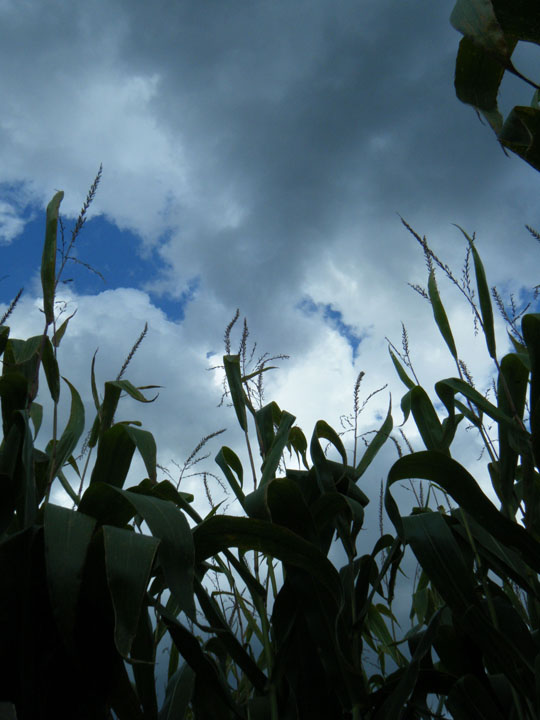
(441, 558)
(129, 558)
(176, 551)
(511, 391)
(426, 419)
(279, 443)
(115, 452)
(67, 537)
(484, 298)
(234, 380)
(383, 433)
(72, 432)
(439, 313)
(229, 461)
(405, 379)
(178, 694)
(50, 366)
(48, 260)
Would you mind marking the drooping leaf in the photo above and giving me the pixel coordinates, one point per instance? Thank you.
(521, 134)
(452, 477)
(476, 19)
(220, 532)
(230, 463)
(275, 451)
(67, 537)
(176, 551)
(441, 558)
(115, 451)
(129, 557)
(72, 432)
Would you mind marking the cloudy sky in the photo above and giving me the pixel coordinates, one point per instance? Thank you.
(256, 155)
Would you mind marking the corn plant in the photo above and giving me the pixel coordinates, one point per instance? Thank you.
(477, 602)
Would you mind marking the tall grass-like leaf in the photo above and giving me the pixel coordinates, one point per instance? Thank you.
(441, 558)
(178, 694)
(234, 380)
(28, 500)
(52, 373)
(60, 332)
(115, 452)
(405, 379)
(511, 392)
(256, 504)
(230, 464)
(439, 313)
(72, 432)
(176, 550)
(48, 260)
(383, 433)
(427, 420)
(530, 326)
(500, 558)
(129, 558)
(67, 537)
(266, 418)
(4, 336)
(274, 453)
(484, 298)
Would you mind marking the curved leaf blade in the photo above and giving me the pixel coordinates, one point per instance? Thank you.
(129, 558)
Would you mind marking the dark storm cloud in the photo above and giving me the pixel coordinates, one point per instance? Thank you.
(314, 118)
